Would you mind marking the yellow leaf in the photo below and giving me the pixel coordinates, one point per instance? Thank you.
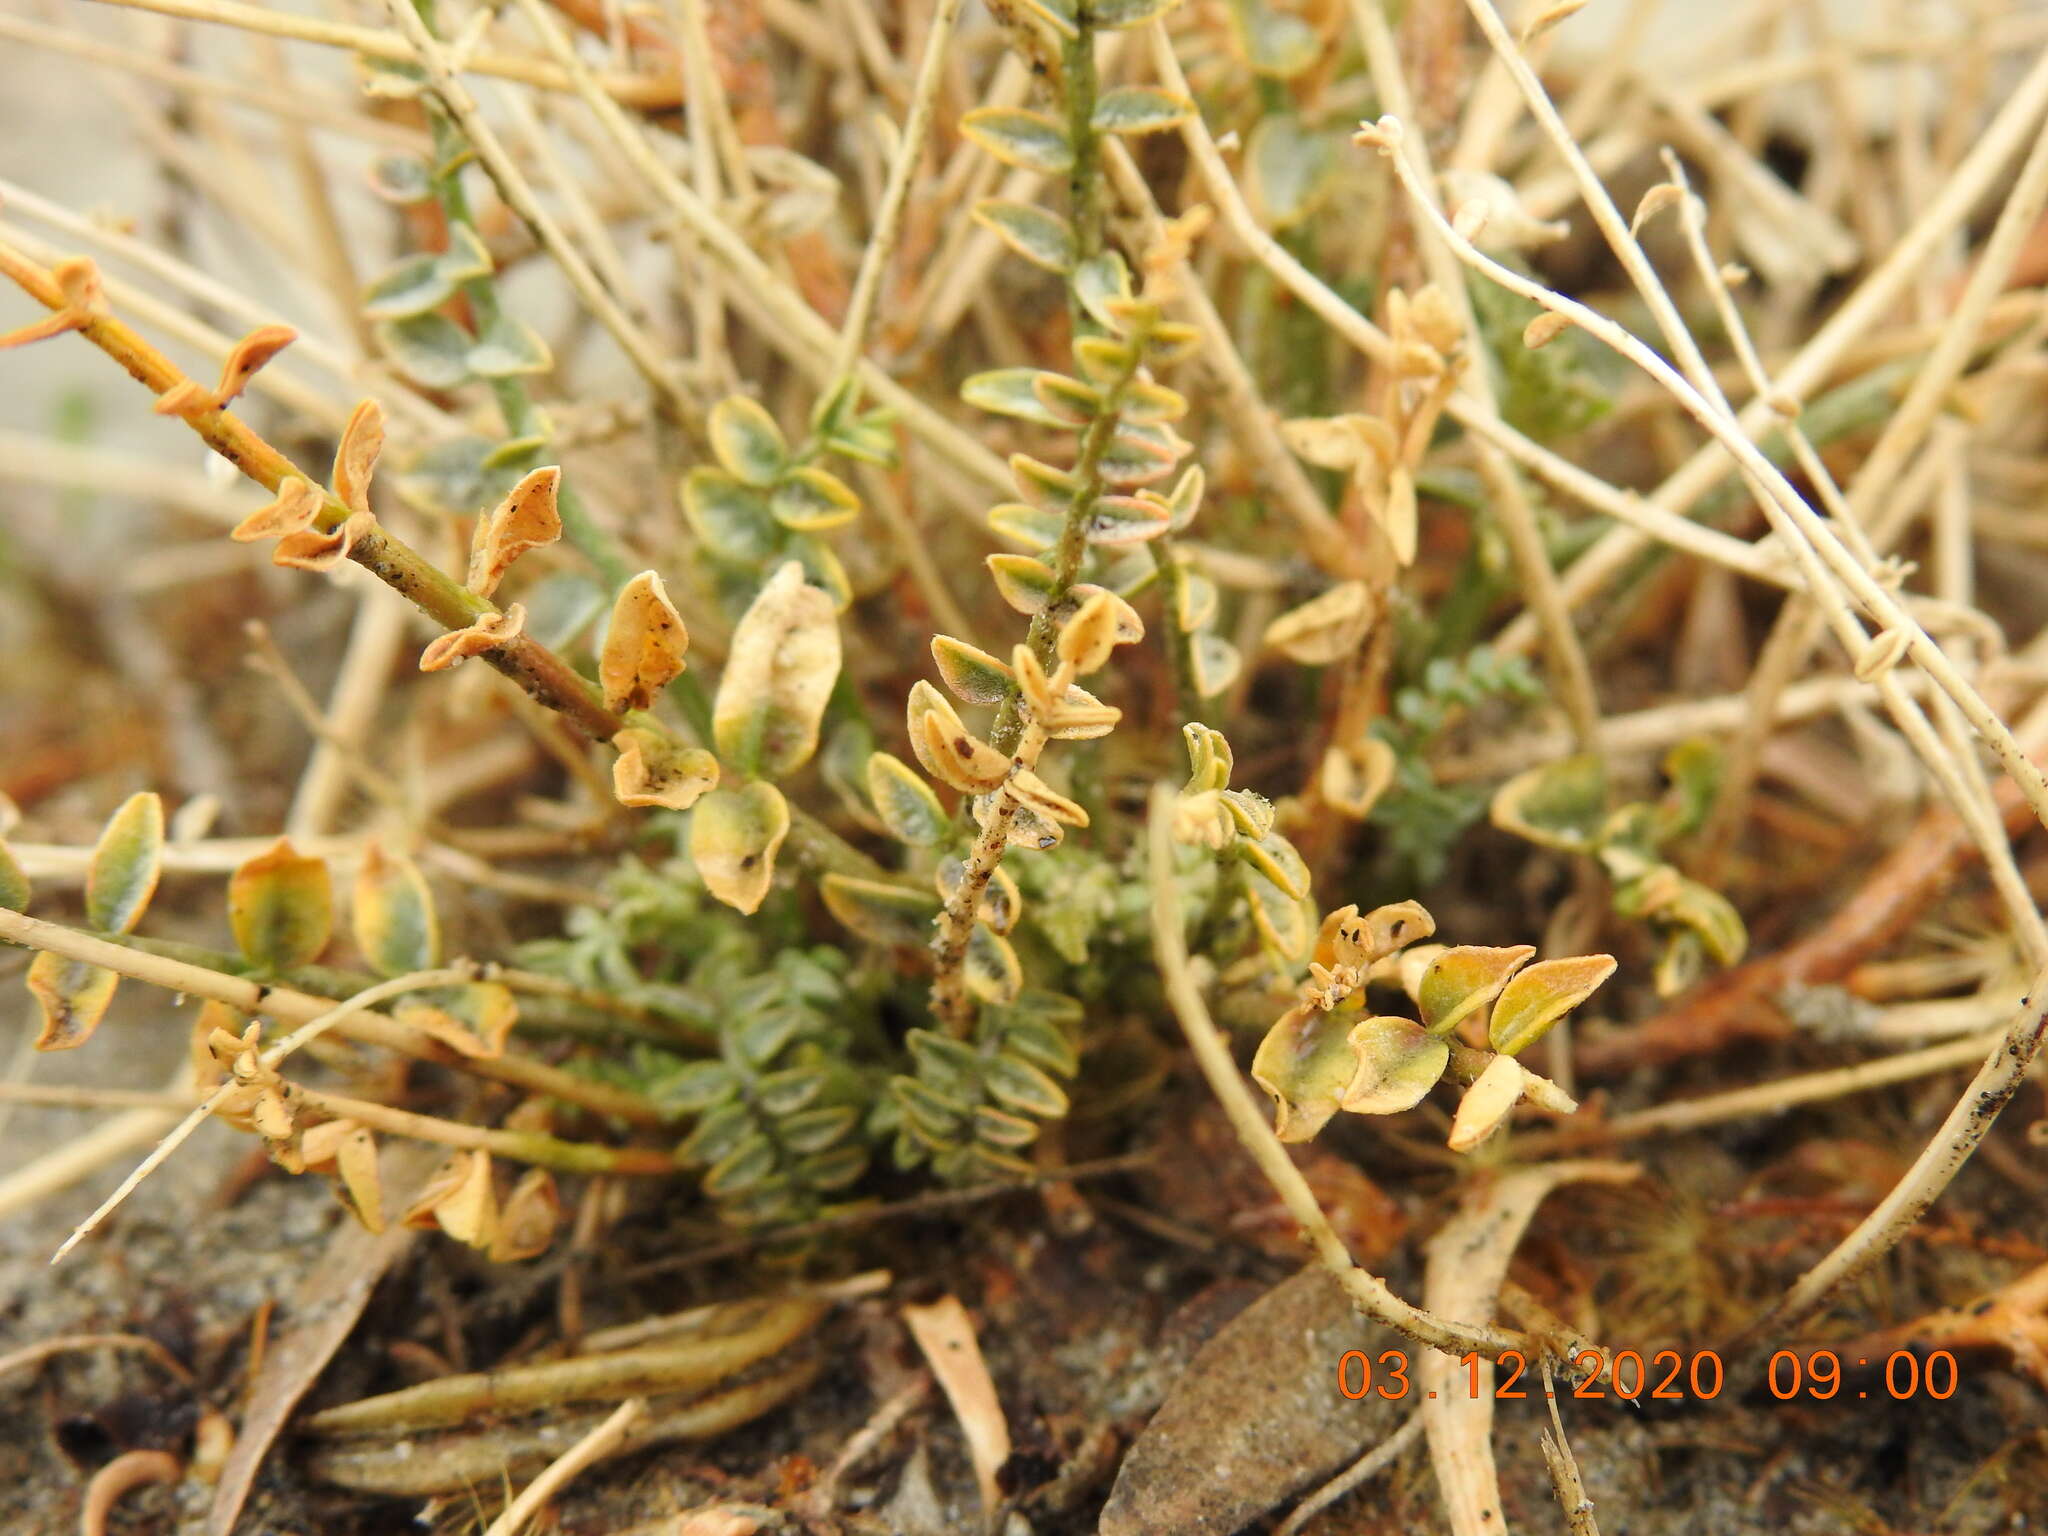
(74, 998)
(653, 770)
(527, 1222)
(643, 645)
(734, 837)
(125, 864)
(395, 924)
(778, 675)
(1326, 628)
(281, 908)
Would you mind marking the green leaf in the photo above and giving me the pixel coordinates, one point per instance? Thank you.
(1282, 920)
(1073, 403)
(1293, 170)
(1119, 520)
(401, 179)
(1556, 805)
(1010, 392)
(1003, 1129)
(467, 258)
(1026, 584)
(393, 915)
(125, 864)
(1031, 141)
(1044, 1043)
(906, 804)
(718, 1133)
(814, 1130)
(1013, 1081)
(969, 673)
(1278, 860)
(734, 837)
(694, 1088)
(1032, 527)
(1305, 1063)
(732, 519)
(747, 441)
(1041, 238)
(1139, 109)
(14, 882)
(1277, 43)
(430, 348)
(992, 970)
(1101, 282)
(1461, 981)
(812, 500)
(73, 996)
(508, 348)
(1040, 483)
(1057, 14)
(281, 908)
(410, 287)
(950, 1067)
(1115, 15)
(1216, 664)
(879, 911)
(1397, 1064)
(1541, 995)
(1710, 915)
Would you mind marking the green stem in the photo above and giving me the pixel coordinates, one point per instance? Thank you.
(1180, 645)
(1073, 542)
(1084, 178)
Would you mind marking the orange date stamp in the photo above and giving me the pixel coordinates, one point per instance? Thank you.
(1666, 1375)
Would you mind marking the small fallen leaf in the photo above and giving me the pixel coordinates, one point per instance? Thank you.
(945, 1334)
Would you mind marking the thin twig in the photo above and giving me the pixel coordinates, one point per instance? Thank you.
(564, 1469)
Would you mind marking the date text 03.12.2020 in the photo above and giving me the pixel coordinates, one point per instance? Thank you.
(1666, 1375)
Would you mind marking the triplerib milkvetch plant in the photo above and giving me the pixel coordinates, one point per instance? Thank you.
(1329, 1052)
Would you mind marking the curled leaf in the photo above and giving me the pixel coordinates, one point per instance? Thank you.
(956, 757)
(392, 914)
(473, 1018)
(654, 770)
(73, 996)
(486, 634)
(1487, 1103)
(311, 549)
(1094, 631)
(528, 1218)
(1327, 628)
(643, 645)
(1353, 778)
(1541, 995)
(355, 457)
(459, 1199)
(1216, 664)
(780, 672)
(1556, 805)
(526, 519)
(281, 907)
(880, 911)
(348, 1151)
(1033, 793)
(289, 511)
(734, 837)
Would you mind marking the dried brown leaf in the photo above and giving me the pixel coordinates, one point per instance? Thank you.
(643, 645)
(526, 519)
